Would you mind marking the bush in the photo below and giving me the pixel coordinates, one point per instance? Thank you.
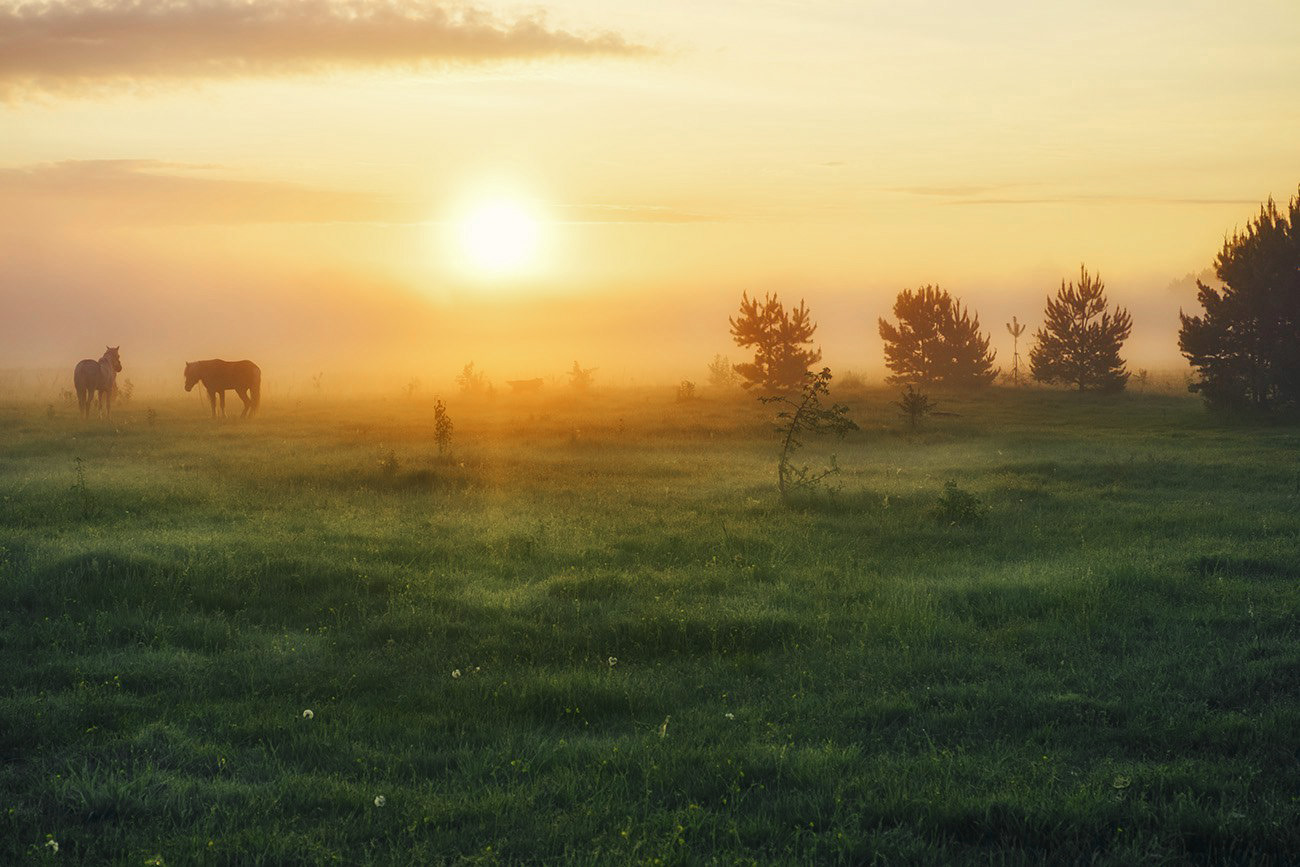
(959, 507)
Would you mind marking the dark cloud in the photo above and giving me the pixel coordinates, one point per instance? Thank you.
(83, 43)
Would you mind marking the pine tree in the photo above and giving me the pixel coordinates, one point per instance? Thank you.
(1080, 341)
(936, 341)
(1246, 346)
(778, 338)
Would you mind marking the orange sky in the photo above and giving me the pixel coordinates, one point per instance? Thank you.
(286, 180)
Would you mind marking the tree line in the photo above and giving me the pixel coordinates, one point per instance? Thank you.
(1245, 345)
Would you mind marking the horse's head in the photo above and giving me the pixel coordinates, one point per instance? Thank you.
(110, 352)
(191, 375)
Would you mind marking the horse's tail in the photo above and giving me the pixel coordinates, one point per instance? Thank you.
(255, 389)
(84, 389)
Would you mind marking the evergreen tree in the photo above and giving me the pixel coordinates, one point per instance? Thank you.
(936, 341)
(1246, 346)
(778, 338)
(1080, 341)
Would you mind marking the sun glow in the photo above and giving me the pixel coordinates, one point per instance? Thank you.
(499, 237)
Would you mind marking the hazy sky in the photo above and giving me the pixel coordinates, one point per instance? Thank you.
(291, 180)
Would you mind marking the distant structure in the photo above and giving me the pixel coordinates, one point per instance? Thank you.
(1016, 329)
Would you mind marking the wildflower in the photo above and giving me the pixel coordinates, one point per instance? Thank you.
(1121, 781)
(307, 714)
(52, 845)
(455, 672)
(729, 715)
(380, 800)
(613, 661)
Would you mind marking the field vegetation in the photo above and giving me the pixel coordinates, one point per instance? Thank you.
(1041, 626)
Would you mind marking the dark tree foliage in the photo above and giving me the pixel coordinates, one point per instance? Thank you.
(936, 341)
(1079, 343)
(803, 415)
(1246, 346)
(915, 406)
(778, 338)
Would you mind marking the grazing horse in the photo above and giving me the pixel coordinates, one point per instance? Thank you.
(244, 377)
(97, 379)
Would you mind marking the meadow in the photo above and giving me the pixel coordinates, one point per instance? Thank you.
(592, 633)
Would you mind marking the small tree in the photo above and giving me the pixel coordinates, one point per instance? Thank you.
(1246, 345)
(936, 341)
(799, 417)
(472, 381)
(778, 338)
(685, 391)
(442, 428)
(581, 377)
(721, 373)
(915, 406)
(1080, 340)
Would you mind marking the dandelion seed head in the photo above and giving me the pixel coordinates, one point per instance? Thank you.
(380, 800)
(308, 714)
(455, 672)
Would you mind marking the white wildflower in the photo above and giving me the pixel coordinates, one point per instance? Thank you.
(613, 661)
(52, 845)
(380, 800)
(308, 714)
(455, 672)
(729, 715)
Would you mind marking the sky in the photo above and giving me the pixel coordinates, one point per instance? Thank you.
(296, 182)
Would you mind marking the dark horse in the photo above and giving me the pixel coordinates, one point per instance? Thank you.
(244, 377)
(97, 379)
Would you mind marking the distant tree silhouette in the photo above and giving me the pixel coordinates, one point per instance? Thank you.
(778, 338)
(721, 373)
(1080, 341)
(1246, 346)
(581, 377)
(935, 341)
(472, 381)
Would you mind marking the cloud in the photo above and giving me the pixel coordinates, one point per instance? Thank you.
(72, 46)
(628, 214)
(151, 191)
(155, 192)
(999, 194)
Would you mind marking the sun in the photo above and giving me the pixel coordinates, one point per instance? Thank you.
(499, 237)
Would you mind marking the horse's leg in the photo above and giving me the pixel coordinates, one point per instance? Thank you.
(243, 395)
(83, 403)
(108, 402)
(223, 403)
(212, 400)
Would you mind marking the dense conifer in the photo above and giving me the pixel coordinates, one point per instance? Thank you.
(778, 338)
(1246, 345)
(936, 341)
(1080, 341)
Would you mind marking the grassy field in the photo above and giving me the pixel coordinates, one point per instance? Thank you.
(593, 634)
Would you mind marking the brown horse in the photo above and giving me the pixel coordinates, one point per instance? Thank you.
(217, 376)
(97, 379)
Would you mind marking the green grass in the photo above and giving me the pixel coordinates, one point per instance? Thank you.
(1100, 665)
